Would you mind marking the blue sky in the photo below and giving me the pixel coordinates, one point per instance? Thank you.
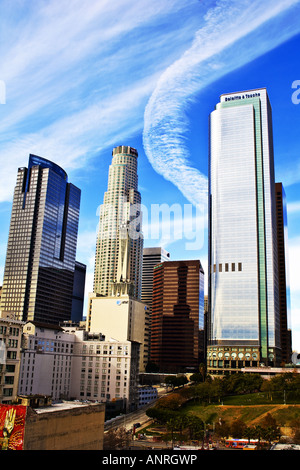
(79, 78)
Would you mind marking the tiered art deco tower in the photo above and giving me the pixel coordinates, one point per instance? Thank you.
(119, 232)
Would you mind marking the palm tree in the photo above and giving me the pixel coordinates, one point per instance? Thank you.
(202, 370)
(172, 426)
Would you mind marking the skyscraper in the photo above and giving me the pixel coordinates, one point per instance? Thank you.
(177, 315)
(42, 242)
(151, 257)
(243, 272)
(283, 275)
(78, 292)
(115, 308)
(120, 227)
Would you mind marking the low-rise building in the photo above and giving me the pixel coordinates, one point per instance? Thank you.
(70, 363)
(147, 394)
(123, 318)
(105, 371)
(60, 426)
(46, 363)
(10, 356)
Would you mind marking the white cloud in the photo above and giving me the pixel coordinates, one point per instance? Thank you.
(78, 79)
(293, 207)
(294, 256)
(219, 47)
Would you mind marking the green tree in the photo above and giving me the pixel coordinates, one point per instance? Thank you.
(197, 377)
(270, 428)
(176, 381)
(249, 433)
(271, 434)
(222, 429)
(160, 415)
(259, 433)
(295, 425)
(195, 426)
(202, 370)
(237, 428)
(116, 439)
(268, 388)
(242, 383)
(172, 424)
(217, 388)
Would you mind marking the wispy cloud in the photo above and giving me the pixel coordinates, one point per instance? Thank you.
(234, 33)
(294, 255)
(293, 207)
(78, 77)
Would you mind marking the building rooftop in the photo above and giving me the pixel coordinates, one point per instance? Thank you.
(63, 406)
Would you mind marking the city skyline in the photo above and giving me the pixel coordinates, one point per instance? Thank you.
(80, 82)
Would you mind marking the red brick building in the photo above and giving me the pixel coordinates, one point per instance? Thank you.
(178, 304)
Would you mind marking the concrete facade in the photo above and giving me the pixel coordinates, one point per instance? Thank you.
(65, 426)
(10, 357)
(121, 318)
(71, 363)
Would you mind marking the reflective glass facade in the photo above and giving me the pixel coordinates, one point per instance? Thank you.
(243, 278)
(283, 272)
(41, 250)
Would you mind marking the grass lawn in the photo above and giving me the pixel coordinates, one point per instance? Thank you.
(249, 408)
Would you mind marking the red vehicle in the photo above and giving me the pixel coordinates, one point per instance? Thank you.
(240, 443)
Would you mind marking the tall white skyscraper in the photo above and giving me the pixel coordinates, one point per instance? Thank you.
(243, 327)
(115, 308)
(119, 246)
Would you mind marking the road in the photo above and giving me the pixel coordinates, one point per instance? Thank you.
(128, 420)
(139, 416)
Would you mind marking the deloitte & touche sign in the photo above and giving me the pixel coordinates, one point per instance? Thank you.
(242, 96)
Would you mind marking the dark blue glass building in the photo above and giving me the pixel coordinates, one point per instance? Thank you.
(41, 251)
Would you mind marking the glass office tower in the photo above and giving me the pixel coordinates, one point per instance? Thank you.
(243, 327)
(42, 242)
(119, 245)
(283, 275)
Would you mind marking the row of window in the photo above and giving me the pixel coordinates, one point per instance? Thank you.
(228, 267)
(12, 331)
